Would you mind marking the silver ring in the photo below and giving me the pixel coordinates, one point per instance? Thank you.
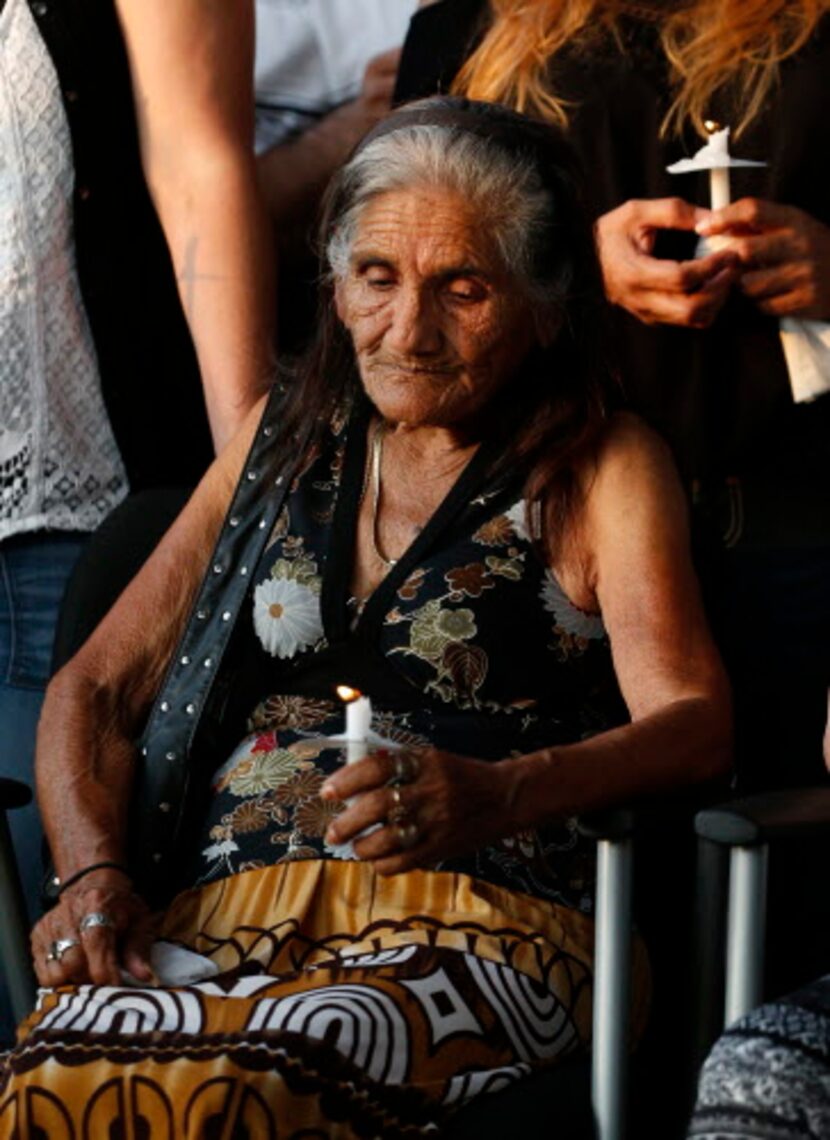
(407, 835)
(405, 770)
(399, 811)
(59, 947)
(94, 918)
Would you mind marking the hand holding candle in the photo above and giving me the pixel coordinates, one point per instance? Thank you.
(714, 156)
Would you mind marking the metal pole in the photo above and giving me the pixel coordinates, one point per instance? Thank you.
(745, 932)
(612, 986)
(710, 942)
(14, 930)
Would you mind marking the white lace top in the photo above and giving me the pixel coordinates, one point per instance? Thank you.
(59, 462)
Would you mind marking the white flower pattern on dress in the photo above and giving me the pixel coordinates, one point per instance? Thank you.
(287, 616)
(220, 850)
(518, 518)
(568, 617)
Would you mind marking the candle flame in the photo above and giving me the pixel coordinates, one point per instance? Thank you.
(711, 127)
(347, 694)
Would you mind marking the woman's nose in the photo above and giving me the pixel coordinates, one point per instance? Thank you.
(416, 327)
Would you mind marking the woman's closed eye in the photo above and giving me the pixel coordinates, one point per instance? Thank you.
(466, 290)
(377, 276)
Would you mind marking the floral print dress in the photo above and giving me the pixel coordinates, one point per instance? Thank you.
(469, 644)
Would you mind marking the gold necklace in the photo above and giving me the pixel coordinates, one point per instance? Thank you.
(377, 452)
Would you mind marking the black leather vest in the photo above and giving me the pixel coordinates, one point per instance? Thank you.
(184, 730)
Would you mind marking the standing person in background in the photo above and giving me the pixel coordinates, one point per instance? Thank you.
(196, 124)
(699, 335)
(325, 71)
(101, 392)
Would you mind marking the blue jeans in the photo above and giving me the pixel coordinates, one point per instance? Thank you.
(34, 570)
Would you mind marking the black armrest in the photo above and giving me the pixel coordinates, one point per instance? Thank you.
(13, 794)
(796, 812)
(612, 824)
(654, 814)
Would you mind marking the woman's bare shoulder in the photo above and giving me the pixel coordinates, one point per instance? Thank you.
(631, 461)
(632, 493)
(629, 442)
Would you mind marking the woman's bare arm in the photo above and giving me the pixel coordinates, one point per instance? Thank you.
(192, 70)
(85, 750)
(639, 570)
(294, 174)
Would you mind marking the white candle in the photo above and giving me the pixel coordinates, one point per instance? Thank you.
(358, 721)
(715, 158)
(720, 193)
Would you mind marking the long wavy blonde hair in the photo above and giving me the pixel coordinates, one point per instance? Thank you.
(711, 46)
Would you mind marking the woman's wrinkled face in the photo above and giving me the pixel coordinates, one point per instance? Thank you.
(438, 325)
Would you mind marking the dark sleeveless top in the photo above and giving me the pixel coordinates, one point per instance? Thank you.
(720, 396)
(468, 644)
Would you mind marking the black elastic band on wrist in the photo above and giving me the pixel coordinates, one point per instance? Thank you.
(105, 865)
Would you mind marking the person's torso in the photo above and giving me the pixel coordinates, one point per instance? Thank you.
(59, 463)
(311, 56)
(146, 362)
(469, 644)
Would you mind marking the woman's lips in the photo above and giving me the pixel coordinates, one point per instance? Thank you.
(447, 372)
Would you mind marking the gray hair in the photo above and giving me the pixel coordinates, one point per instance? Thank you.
(506, 192)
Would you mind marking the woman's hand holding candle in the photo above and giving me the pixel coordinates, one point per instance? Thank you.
(654, 290)
(784, 255)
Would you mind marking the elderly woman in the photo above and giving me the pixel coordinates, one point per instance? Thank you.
(444, 511)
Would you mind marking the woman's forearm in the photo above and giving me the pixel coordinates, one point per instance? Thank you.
(192, 72)
(222, 249)
(687, 742)
(96, 704)
(84, 774)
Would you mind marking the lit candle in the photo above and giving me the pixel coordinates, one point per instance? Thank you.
(358, 721)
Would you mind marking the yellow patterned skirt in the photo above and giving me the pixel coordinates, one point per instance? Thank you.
(348, 1005)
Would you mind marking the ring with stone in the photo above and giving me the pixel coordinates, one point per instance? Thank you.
(407, 835)
(59, 947)
(94, 918)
